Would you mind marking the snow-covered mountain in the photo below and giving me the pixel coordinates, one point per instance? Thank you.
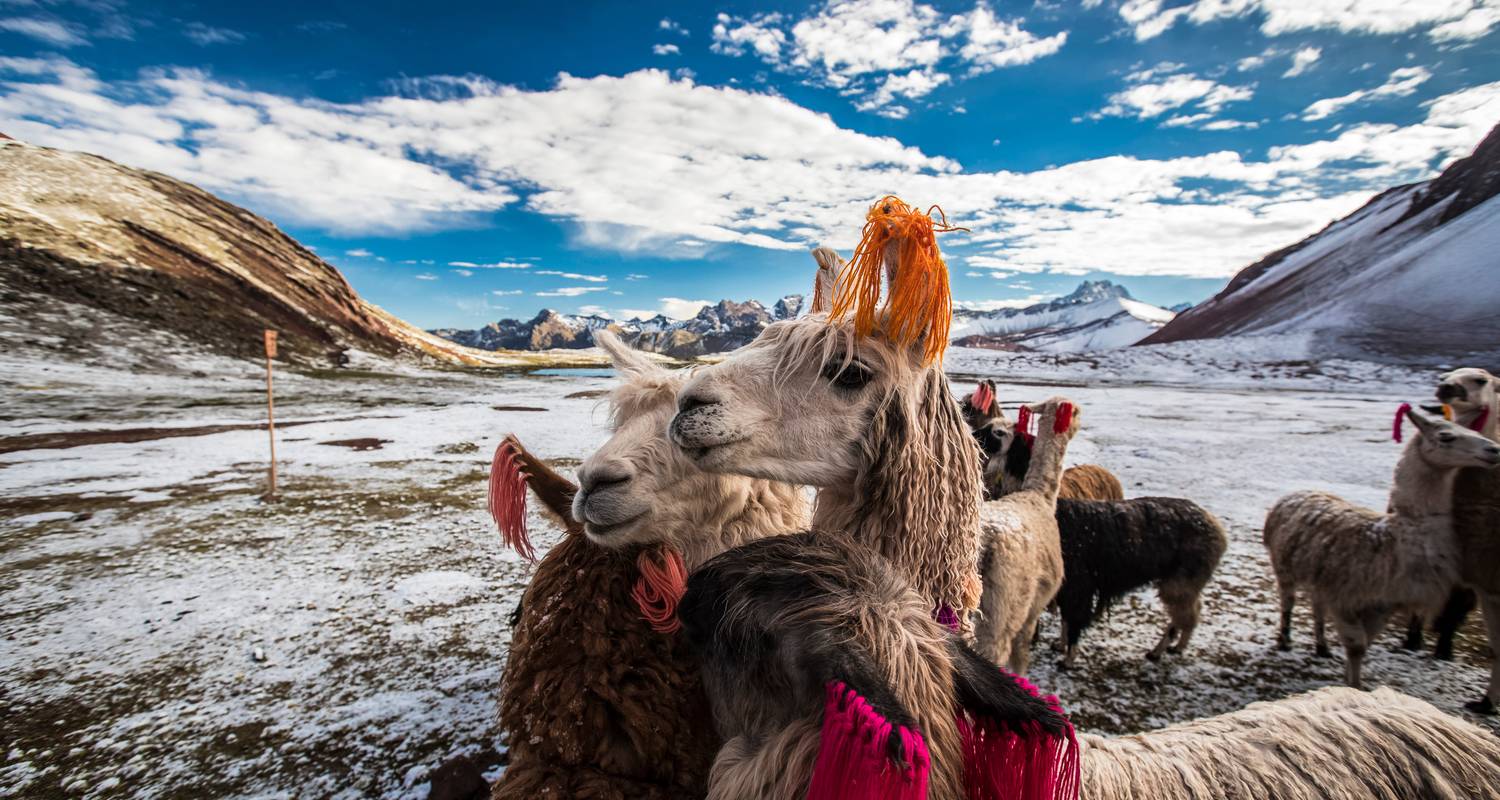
(99, 256)
(715, 329)
(1414, 275)
(1098, 315)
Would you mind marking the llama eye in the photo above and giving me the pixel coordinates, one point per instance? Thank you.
(1481, 381)
(852, 375)
(1445, 438)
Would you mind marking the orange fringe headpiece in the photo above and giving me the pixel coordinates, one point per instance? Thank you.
(919, 304)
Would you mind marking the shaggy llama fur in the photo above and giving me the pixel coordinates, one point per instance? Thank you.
(595, 703)
(778, 619)
(1022, 563)
(1331, 744)
(1361, 565)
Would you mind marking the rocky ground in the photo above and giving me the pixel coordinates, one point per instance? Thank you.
(169, 633)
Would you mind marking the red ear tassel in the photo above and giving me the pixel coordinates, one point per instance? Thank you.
(1023, 423)
(1400, 418)
(983, 397)
(1064, 418)
(660, 588)
(507, 499)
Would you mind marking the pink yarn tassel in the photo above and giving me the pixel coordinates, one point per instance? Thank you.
(660, 588)
(852, 761)
(1400, 418)
(1023, 423)
(1026, 764)
(983, 398)
(507, 500)
(1479, 421)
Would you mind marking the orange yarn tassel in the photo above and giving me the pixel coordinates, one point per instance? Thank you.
(660, 588)
(919, 304)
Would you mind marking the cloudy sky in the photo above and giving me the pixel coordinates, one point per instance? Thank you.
(461, 164)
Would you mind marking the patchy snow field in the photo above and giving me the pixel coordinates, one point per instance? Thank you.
(166, 632)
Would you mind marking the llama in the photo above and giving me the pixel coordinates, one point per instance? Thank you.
(1021, 563)
(596, 700)
(995, 433)
(845, 613)
(1361, 565)
(1471, 396)
(792, 627)
(1331, 744)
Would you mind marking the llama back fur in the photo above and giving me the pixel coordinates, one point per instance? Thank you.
(1112, 547)
(1332, 744)
(1090, 482)
(1356, 558)
(1476, 527)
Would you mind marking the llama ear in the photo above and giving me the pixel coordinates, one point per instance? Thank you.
(629, 361)
(1424, 423)
(826, 277)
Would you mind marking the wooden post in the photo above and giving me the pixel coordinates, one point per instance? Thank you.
(271, 409)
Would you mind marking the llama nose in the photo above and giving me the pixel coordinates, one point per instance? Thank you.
(597, 477)
(1448, 391)
(689, 402)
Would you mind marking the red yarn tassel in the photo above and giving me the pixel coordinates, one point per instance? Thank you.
(983, 397)
(660, 588)
(507, 499)
(1479, 421)
(1064, 418)
(852, 762)
(1023, 423)
(1400, 418)
(1027, 764)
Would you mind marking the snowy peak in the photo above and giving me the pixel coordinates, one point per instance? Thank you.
(1098, 315)
(1410, 276)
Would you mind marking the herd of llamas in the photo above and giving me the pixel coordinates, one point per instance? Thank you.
(701, 630)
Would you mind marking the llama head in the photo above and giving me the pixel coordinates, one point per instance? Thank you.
(1448, 445)
(1469, 391)
(637, 488)
(981, 405)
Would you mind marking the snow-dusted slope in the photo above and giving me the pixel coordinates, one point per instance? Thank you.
(1098, 315)
(113, 242)
(1415, 275)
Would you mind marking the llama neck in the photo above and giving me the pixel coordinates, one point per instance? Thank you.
(1420, 488)
(1044, 476)
(748, 510)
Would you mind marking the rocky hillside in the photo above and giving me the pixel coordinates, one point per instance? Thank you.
(86, 235)
(715, 329)
(1413, 276)
(1098, 315)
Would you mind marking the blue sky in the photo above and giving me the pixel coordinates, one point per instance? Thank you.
(466, 162)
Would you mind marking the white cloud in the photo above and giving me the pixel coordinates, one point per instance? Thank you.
(1446, 19)
(466, 273)
(636, 276)
(995, 305)
(1401, 83)
(506, 292)
(597, 311)
(57, 34)
(359, 252)
(1302, 61)
(574, 276)
(1230, 125)
(494, 265)
(713, 165)
(425, 276)
(1146, 100)
(570, 291)
(668, 24)
(880, 50)
(205, 35)
(678, 308)
(665, 49)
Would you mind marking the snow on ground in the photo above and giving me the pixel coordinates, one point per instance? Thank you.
(167, 632)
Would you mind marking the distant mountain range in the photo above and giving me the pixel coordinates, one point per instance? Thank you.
(1414, 275)
(715, 329)
(1098, 315)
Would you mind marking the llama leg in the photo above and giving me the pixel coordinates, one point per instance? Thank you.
(1352, 635)
(1185, 612)
(1413, 640)
(1320, 637)
(1061, 643)
(1170, 633)
(1489, 604)
(1288, 602)
(1460, 602)
(1020, 650)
